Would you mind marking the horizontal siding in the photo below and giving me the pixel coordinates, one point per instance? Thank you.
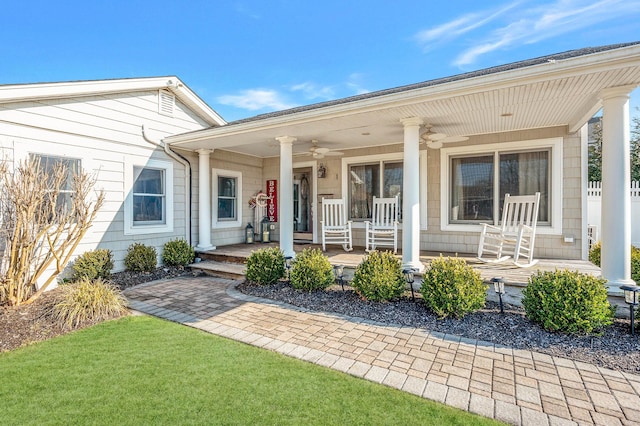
(104, 132)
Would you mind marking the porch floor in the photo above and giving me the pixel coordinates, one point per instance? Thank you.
(513, 275)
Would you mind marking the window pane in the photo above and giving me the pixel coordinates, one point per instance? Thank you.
(226, 187)
(526, 173)
(393, 183)
(364, 183)
(148, 181)
(226, 208)
(48, 165)
(471, 189)
(147, 208)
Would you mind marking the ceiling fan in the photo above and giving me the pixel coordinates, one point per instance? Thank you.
(436, 140)
(319, 152)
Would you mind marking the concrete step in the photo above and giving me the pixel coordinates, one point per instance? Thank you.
(219, 269)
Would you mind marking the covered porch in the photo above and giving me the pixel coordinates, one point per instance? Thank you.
(515, 128)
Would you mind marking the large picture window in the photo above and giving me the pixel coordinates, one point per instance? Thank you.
(476, 180)
(473, 187)
(379, 179)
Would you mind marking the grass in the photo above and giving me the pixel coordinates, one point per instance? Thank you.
(142, 370)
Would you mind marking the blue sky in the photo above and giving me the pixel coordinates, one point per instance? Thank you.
(248, 57)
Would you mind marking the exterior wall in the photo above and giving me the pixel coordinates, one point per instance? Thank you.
(104, 132)
(433, 238)
(252, 182)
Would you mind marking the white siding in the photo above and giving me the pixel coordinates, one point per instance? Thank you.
(104, 132)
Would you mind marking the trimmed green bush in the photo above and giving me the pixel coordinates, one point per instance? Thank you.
(450, 287)
(89, 301)
(595, 258)
(140, 258)
(568, 301)
(177, 252)
(265, 266)
(92, 265)
(379, 277)
(311, 270)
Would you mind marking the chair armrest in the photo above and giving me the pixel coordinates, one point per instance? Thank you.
(491, 228)
(527, 228)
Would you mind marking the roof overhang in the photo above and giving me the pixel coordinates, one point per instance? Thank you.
(74, 89)
(551, 93)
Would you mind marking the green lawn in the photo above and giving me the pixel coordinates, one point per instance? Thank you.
(144, 371)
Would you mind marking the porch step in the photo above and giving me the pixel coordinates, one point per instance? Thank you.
(214, 256)
(219, 269)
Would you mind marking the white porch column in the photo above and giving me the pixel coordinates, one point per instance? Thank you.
(204, 200)
(411, 194)
(286, 194)
(616, 183)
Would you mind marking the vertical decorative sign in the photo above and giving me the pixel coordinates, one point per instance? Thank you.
(272, 201)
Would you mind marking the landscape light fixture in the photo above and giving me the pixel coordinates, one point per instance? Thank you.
(631, 297)
(287, 264)
(498, 286)
(338, 273)
(409, 277)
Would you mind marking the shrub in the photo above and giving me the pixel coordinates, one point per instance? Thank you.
(450, 287)
(595, 258)
(140, 258)
(568, 301)
(93, 264)
(177, 252)
(88, 301)
(265, 266)
(379, 277)
(311, 270)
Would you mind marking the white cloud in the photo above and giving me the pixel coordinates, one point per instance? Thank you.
(313, 91)
(523, 24)
(354, 83)
(256, 99)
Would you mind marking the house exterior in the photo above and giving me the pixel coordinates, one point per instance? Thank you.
(112, 128)
(518, 128)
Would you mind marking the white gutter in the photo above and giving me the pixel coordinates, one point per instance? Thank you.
(187, 186)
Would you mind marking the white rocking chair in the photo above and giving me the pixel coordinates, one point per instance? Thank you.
(382, 230)
(336, 229)
(516, 233)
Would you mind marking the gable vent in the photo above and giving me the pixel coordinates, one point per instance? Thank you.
(166, 103)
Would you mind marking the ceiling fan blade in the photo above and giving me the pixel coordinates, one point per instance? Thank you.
(334, 154)
(322, 150)
(318, 155)
(436, 136)
(455, 139)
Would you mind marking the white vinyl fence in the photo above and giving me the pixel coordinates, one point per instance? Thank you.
(594, 212)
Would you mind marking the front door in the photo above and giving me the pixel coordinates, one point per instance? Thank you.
(302, 205)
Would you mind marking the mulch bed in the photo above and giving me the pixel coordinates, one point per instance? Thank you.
(28, 324)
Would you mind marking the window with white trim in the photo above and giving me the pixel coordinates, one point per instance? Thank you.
(149, 203)
(49, 165)
(227, 198)
(379, 179)
(478, 180)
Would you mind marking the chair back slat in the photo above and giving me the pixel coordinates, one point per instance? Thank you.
(519, 210)
(333, 212)
(385, 211)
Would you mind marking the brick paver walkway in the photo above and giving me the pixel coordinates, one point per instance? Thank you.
(515, 386)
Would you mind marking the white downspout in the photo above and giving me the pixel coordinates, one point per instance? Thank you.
(187, 180)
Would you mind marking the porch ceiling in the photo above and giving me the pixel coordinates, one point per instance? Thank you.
(554, 93)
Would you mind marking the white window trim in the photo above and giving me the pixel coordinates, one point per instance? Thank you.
(215, 223)
(155, 228)
(554, 144)
(381, 158)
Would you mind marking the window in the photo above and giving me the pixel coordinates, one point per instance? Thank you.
(380, 179)
(227, 202)
(478, 181)
(49, 163)
(148, 206)
(149, 197)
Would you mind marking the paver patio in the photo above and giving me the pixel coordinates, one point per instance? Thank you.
(515, 386)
